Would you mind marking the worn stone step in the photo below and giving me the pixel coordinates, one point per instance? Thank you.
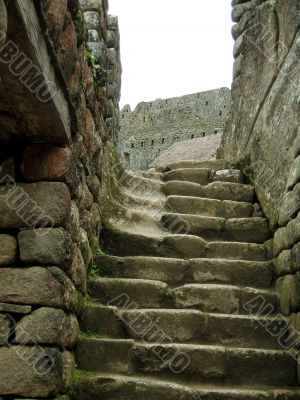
(176, 271)
(237, 251)
(251, 230)
(129, 243)
(227, 175)
(214, 190)
(177, 362)
(138, 293)
(214, 165)
(196, 175)
(208, 207)
(209, 228)
(104, 355)
(117, 387)
(183, 326)
(225, 299)
(215, 364)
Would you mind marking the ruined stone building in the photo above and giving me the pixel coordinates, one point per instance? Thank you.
(180, 282)
(154, 126)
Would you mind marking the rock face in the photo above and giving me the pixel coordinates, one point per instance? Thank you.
(261, 134)
(153, 127)
(188, 315)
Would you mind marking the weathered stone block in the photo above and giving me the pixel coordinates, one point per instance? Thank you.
(4, 329)
(48, 326)
(280, 241)
(46, 162)
(290, 205)
(45, 246)
(73, 223)
(38, 286)
(284, 286)
(7, 171)
(54, 11)
(31, 371)
(14, 309)
(294, 175)
(284, 263)
(77, 271)
(67, 51)
(68, 369)
(8, 249)
(3, 19)
(34, 205)
(295, 293)
(296, 257)
(85, 248)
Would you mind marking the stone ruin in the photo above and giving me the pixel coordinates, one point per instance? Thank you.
(95, 260)
(154, 126)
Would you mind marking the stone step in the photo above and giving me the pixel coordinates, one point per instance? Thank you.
(251, 230)
(129, 243)
(117, 387)
(225, 299)
(181, 362)
(176, 271)
(196, 175)
(209, 207)
(137, 293)
(214, 165)
(183, 326)
(227, 175)
(214, 190)
(212, 298)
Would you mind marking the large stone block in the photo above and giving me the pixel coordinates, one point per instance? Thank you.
(78, 271)
(294, 175)
(3, 20)
(296, 257)
(4, 329)
(38, 286)
(284, 286)
(45, 246)
(295, 293)
(48, 326)
(46, 162)
(15, 309)
(8, 249)
(31, 371)
(290, 206)
(73, 223)
(54, 12)
(34, 205)
(284, 263)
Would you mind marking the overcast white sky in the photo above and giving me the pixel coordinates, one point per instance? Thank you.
(173, 47)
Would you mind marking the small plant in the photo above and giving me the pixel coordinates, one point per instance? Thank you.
(89, 55)
(95, 270)
(101, 253)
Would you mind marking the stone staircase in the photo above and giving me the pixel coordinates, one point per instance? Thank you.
(184, 303)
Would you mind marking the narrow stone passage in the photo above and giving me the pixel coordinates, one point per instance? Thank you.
(183, 306)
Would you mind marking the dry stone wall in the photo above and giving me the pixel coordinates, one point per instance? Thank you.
(262, 133)
(60, 87)
(154, 126)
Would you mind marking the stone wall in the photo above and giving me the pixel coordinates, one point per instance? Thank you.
(154, 126)
(60, 86)
(262, 133)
